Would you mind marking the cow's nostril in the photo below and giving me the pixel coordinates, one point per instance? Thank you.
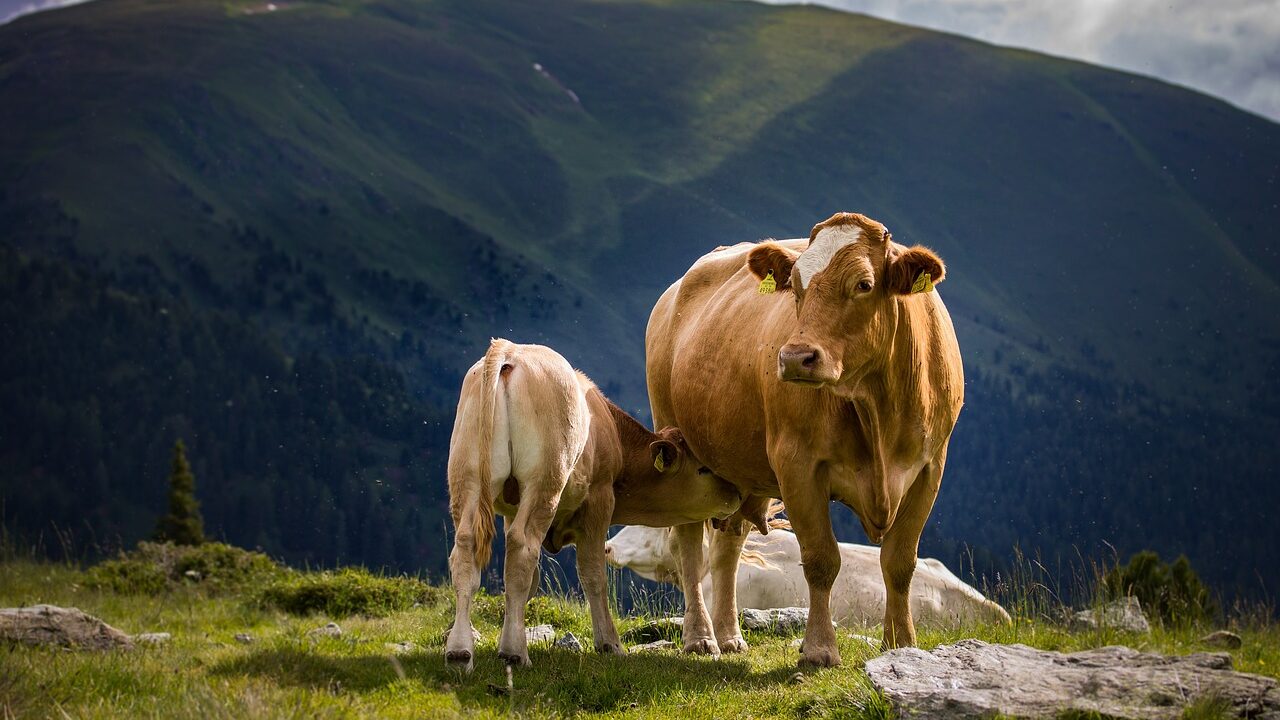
(810, 360)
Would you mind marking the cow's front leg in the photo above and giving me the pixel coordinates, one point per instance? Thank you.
(520, 576)
(698, 636)
(898, 555)
(591, 539)
(726, 550)
(807, 507)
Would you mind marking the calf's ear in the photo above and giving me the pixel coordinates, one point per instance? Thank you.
(664, 454)
(772, 258)
(906, 272)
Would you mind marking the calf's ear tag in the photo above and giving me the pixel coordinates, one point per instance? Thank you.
(923, 284)
(659, 463)
(768, 284)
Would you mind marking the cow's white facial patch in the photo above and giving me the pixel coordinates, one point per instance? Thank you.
(824, 247)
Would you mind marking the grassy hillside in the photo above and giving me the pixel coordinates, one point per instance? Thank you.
(203, 672)
(398, 180)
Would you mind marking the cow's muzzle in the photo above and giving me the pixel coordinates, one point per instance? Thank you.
(802, 363)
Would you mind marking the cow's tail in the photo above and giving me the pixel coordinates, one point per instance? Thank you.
(482, 520)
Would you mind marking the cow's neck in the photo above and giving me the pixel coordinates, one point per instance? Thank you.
(634, 439)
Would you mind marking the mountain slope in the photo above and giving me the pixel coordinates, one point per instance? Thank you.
(401, 180)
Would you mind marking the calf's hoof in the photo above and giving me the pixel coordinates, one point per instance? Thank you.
(521, 660)
(734, 645)
(610, 649)
(705, 646)
(460, 657)
(819, 657)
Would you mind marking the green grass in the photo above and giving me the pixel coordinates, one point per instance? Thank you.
(204, 672)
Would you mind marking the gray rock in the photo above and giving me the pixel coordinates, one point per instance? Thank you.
(1123, 614)
(1223, 639)
(330, 630)
(65, 627)
(157, 638)
(244, 638)
(540, 634)
(570, 642)
(779, 621)
(655, 645)
(193, 575)
(661, 629)
(400, 648)
(973, 679)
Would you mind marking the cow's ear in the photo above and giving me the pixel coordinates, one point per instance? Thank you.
(771, 258)
(908, 270)
(664, 453)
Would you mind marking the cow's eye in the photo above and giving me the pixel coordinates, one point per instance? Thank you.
(864, 286)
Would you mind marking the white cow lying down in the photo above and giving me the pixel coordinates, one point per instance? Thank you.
(770, 576)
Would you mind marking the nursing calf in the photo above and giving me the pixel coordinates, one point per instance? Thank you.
(769, 575)
(536, 441)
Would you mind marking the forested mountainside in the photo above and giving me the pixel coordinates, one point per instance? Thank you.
(283, 234)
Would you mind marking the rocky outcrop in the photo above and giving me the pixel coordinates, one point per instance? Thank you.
(64, 627)
(779, 621)
(973, 679)
(540, 634)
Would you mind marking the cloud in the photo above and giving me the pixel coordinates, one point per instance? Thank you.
(13, 9)
(1228, 48)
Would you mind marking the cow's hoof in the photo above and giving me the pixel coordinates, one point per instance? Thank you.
(734, 645)
(819, 657)
(459, 657)
(610, 649)
(702, 647)
(515, 659)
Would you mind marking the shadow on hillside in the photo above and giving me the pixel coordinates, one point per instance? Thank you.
(572, 682)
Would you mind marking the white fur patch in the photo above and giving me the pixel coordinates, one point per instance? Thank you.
(824, 247)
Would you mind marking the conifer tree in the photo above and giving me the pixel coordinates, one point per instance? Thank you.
(182, 524)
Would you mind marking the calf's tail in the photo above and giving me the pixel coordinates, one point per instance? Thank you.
(482, 520)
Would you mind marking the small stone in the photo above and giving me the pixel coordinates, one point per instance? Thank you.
(244, 638)
(1223, 639)
(400, 648)
(797, 643)
(1125, 614)
(569, 642)
(872, 642)
(330, 630)
(779, 621)
(660, 629)
(156, 638)
(540, 634)
(656, 645)
(193, 575)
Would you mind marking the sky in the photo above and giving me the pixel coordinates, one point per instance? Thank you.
(1228, 48)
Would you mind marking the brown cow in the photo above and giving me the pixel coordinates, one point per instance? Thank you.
(536, 440)
(842, 383)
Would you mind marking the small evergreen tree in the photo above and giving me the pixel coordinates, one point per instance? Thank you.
(182, 525)
(1172, 593)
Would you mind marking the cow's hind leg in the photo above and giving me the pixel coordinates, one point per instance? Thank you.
(460, 645)
(898, 555)
(726, 550)
(524, 543)
(592, 534)
(698, 635)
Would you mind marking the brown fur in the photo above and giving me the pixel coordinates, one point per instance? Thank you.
(866, 420)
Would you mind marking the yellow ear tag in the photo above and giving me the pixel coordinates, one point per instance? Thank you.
(768, 284)
(923, 284)
(659, 463)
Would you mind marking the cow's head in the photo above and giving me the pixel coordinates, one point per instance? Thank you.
(645, 551)
(846, 285)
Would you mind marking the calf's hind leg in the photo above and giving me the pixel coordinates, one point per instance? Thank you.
(460, 645)
(524, 542)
